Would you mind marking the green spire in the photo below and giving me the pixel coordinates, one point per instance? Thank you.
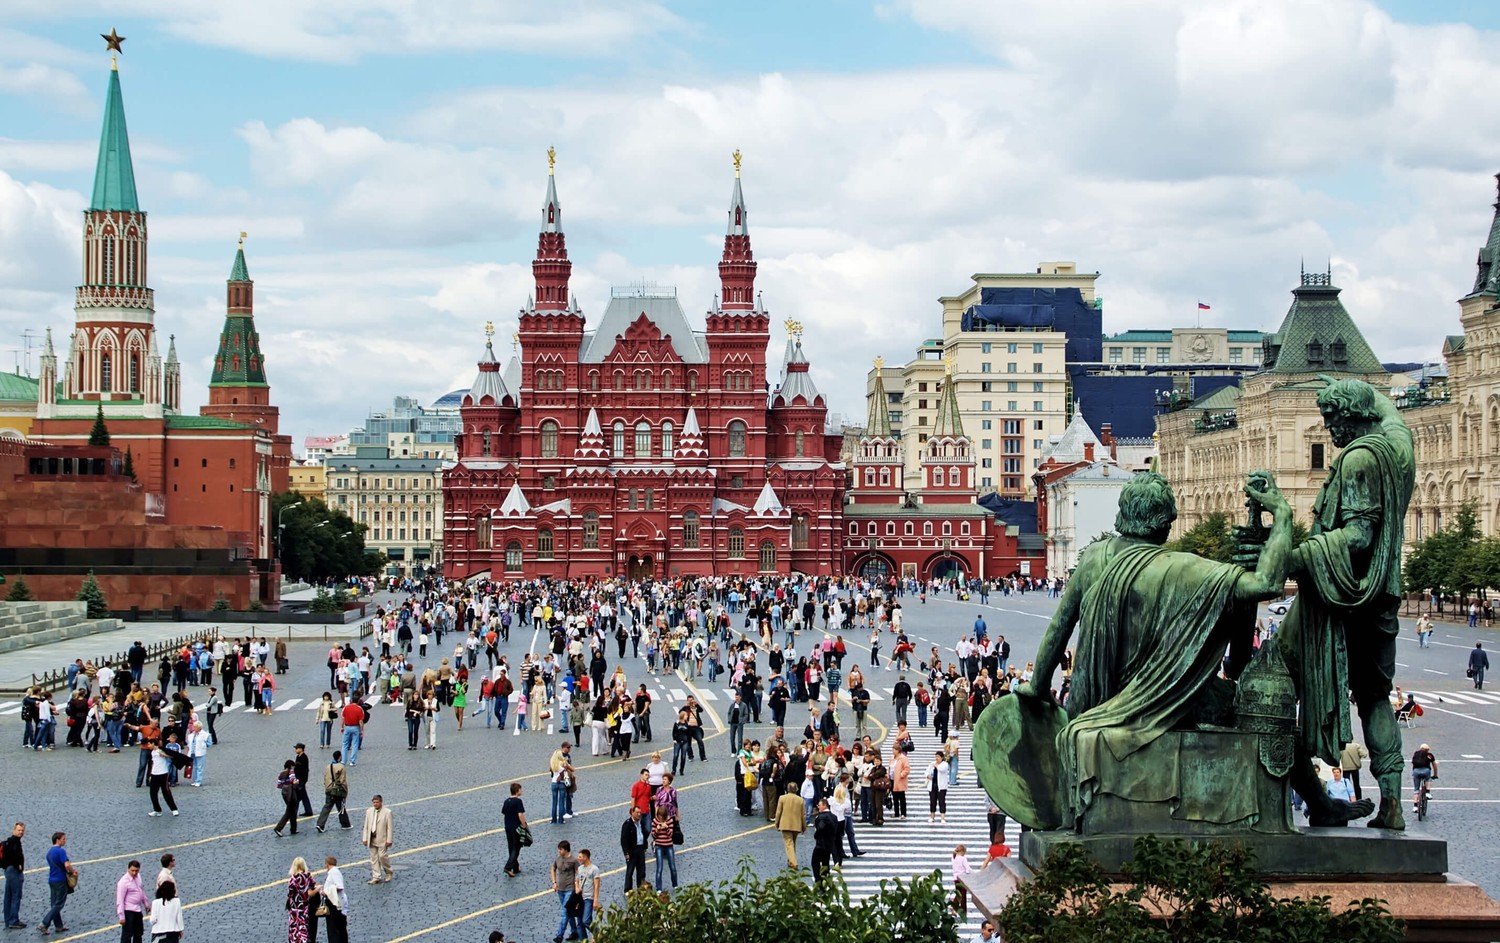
(239, 361)
(878, 422)
(114, 176)
(1487, 282)
(239, 273)
(948, 421)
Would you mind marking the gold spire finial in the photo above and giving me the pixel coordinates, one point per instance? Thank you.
(736, 162)
(947, 365)
(515, 341)
(794, 328)
(489, 330)
(112, 41)
(551, 160)
(879, 362)
(243, 236)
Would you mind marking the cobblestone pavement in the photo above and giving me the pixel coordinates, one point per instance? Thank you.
(449, 845)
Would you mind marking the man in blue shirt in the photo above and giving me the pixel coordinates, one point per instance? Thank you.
(980, 629)
(58, 869)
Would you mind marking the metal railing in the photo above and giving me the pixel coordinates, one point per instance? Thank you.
(57, 678)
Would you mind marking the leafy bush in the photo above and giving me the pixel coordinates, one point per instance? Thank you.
(1207, 893)
(783, 907)
(19, 591)
(90, 593)
(257, 606)
(220, 603)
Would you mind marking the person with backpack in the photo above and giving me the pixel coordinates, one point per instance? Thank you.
(335, 791)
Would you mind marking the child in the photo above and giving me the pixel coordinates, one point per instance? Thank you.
(960, 868)
(422, 644)
(521, 702)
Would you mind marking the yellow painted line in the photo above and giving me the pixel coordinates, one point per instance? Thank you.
(177, 847)
(530, 897)
(487, 833)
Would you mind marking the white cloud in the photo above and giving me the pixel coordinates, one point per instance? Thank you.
(1186, 151)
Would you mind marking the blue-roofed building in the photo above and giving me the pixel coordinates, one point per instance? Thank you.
(410, 429)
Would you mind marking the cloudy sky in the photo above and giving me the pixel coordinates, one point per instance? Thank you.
(388, 159)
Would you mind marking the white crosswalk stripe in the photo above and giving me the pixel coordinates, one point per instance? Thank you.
(4, 705)
(11, 710)
(232, 707)
(1465, 697)
(288, 704)
(916, 847)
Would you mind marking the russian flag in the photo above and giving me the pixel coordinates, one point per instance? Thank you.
(1203, 307)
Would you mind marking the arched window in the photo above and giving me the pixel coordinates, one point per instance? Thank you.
(937, 477)
(107, 269)
(963, 529)
(619, 443)
(853, 529)
(947, 528)
(690, 530)
(544, 544)
(692, 379)
(106, 372)
(482, 533)
(954, 478)
(549, 439)
(910, 529)
(870, 528)
(870, 477)
(485, 444)
(591, 530)
(890, 528)
(767, 555)
(593, 379)
(927, 528)
(135, 372)
(642, 380)
(736, 439)
(643, 439)
(799, 444)
(513, 556)
(885, 477)
(668, 440)
(799, 531)
(736, 543)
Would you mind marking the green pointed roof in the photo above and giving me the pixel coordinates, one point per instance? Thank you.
(239, 361)
(239, 273)
(1487, 281)
(114, 176)
(948, 422)
(1318, 335)
(878, 422)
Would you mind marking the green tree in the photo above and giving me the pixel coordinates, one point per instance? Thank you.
(128, 469)
(1205, 894)
(317, 542)
(90, 593)
(19, 591)
(1443, 562)
(99, 435)
(221, 604)
(785, 906)
(1210, 537)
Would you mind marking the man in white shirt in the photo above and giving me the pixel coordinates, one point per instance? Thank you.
(986, 933)
(337, 919)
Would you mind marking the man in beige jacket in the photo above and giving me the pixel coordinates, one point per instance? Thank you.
(791, 821)
(1351, 760)
(377, 833)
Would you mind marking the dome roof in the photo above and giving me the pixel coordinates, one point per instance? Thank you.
(451, 400)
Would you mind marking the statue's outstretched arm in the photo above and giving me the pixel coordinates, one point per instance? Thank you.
(1060, 629)
(1269, 576)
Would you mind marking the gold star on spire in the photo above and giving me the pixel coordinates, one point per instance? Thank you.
(551, 160)
(515, 341)
(736, 162)
(112, 41)
(243, 237)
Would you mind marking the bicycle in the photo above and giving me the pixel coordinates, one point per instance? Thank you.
(1423, 796)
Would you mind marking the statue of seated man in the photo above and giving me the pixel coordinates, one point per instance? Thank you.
(1152, 627)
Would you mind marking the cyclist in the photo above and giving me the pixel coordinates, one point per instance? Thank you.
(1423, 768)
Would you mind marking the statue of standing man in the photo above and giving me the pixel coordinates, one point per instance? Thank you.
(1339, 638)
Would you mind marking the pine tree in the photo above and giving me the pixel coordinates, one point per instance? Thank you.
(19, 591)
(129, 468)
(90, 593)
(99, 435)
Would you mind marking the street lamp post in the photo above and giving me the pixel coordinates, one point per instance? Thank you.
(281, 531)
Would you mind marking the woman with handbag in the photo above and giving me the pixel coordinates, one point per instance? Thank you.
(880, 787)
(300, 891)
(662, 829)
